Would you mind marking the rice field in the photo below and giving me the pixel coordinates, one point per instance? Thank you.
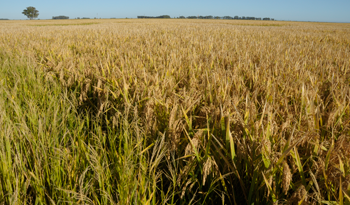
(127, 111)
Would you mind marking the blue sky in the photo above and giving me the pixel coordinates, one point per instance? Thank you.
(307, 10)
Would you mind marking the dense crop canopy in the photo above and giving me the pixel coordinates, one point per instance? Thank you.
(180, 111)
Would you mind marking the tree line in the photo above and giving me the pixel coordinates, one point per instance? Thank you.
(154, 17)
(209, 17)
(60, 17)
(226, 17)
(32, 13)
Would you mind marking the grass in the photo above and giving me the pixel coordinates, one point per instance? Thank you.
(180, 112)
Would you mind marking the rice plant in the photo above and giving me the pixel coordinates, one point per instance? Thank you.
(174, 112)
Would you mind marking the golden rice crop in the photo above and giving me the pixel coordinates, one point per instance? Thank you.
(250, 111)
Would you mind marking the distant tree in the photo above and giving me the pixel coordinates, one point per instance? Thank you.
(227, 17)
(60, 17)
(154, 17)
(182, 17)
(31, 12)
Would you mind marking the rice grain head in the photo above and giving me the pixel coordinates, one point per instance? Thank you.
(210, 166)
(287, 177)
(299, 196)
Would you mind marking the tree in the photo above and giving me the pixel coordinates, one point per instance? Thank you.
(31, 12)
(60, 17)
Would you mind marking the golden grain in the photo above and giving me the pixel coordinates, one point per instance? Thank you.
(276, 83)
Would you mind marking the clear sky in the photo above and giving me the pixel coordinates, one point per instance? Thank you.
(306, 10)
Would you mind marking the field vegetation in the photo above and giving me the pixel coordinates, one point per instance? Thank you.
(67, 24)
(174, 112)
